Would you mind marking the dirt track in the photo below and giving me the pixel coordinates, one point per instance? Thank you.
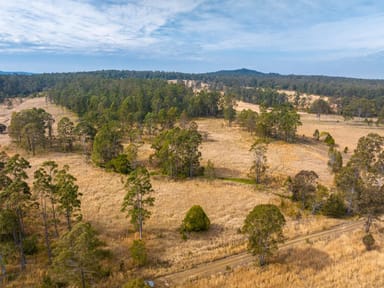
(244, 258)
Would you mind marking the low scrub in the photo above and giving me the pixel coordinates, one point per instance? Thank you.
(195, 220)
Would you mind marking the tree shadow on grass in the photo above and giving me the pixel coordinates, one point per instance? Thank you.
(211, 234)
(304, 258)
(223, 172)
(169, 240)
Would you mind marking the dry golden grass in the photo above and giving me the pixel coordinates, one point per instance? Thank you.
(345, 133)
(288, 159)
(227, 147)
(310, 98)
(28, 103)
(225, 202)
(337, 263)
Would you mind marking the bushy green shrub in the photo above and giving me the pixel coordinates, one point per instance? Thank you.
(316, 135)
(136, 283)
(119, 164)
(334, 206)
(48, 282)
(30, 245)
(209, 171)
(195, 220)
(368, 241)
(329, 140)
(335, 161)
(139, 253)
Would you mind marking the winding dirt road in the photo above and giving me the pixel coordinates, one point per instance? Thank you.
(244, 258)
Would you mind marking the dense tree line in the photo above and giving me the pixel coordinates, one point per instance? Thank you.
(129, 101)
(237, 80)
(263, 96)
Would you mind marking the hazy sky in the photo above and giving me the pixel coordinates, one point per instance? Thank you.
(337, 37)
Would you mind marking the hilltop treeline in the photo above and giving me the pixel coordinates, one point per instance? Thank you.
(129, 101)
(22, 85)
(137, 89)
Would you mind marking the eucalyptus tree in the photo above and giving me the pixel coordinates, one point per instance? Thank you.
(304, 187)
(15, 198)
(66, 135)
(42, 185)
(228, 104)
(138, 197)
(77, 256)
(107, 145)
(67, 195)
(259, 161)
(264, 227)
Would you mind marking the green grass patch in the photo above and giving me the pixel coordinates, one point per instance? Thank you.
(239, 180)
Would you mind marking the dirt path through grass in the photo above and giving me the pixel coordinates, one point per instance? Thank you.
(244, 258)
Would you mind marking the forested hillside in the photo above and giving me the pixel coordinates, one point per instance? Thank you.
(20, 85)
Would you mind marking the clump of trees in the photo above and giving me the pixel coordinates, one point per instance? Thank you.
(315, 197)
(279, 122)
(360, 179)
(265, 96)
(57, 194)
(106, 145)
(66, 134)
(77, 257)
(359, 188)
(247, 118)
(15, 202)
(334, 206)
(320, 106)
(31, 129)
(54, 195)
(228, 104)
(359, 107)
(177, 152)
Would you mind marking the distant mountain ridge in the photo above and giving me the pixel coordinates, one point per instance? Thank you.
(237, 72)
(15, 73)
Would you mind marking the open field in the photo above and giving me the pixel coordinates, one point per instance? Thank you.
(291, 158)
(245, 259)
(337, 263)
(226, 203)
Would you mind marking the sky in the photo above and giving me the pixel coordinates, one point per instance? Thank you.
(317, 37)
